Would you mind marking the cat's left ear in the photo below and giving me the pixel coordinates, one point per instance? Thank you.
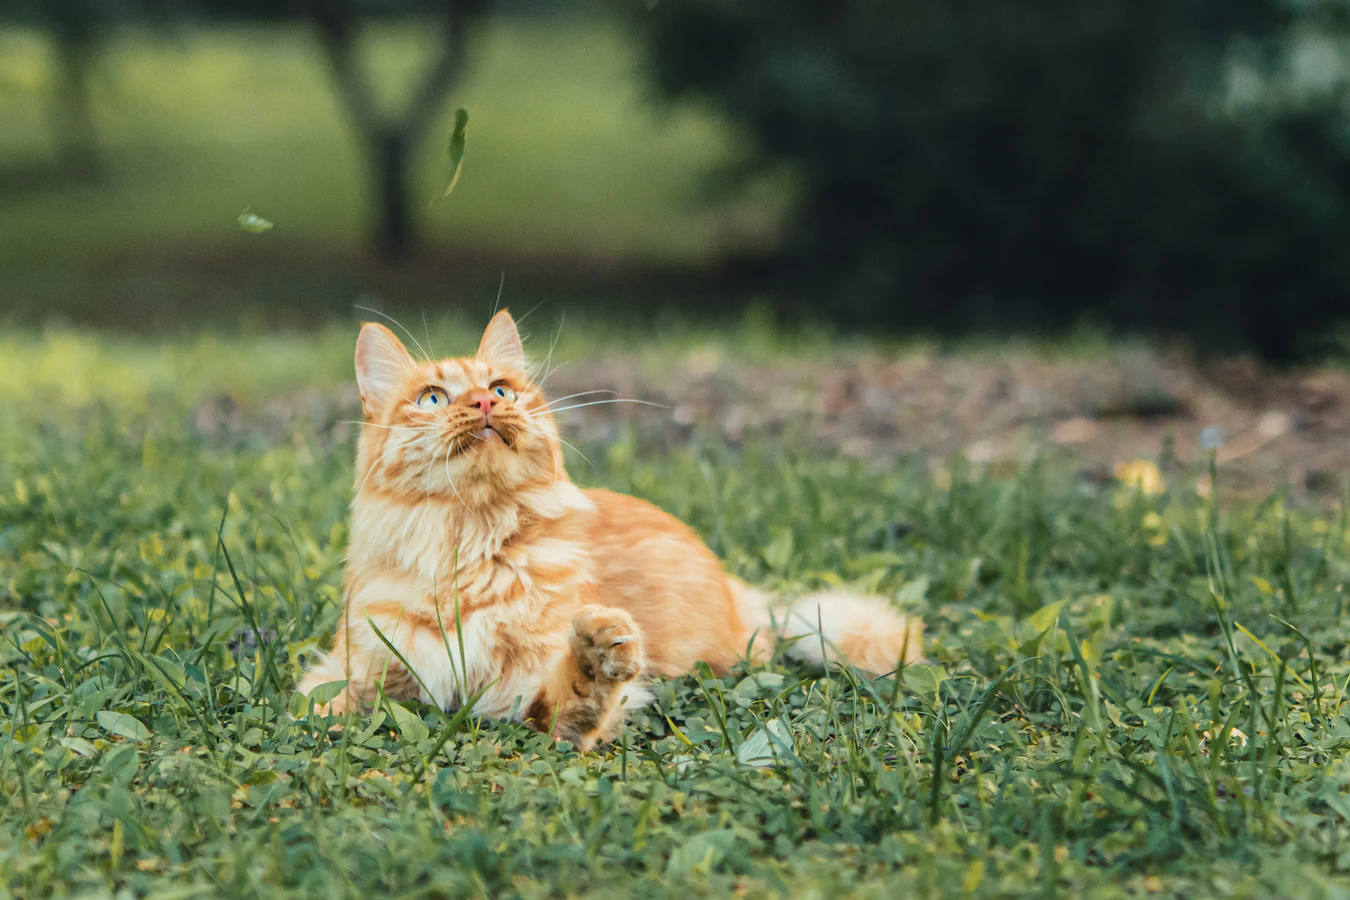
(501, 342)
(382, 362)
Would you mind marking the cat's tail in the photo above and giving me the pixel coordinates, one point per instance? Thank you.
(829, 627)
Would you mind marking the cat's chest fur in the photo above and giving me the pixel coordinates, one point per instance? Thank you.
(440, 547)
(511, 576)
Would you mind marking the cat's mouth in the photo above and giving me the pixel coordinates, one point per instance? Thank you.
(485, 436)
(490, 436)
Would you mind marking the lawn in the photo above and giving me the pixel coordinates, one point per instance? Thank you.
(1093, 646)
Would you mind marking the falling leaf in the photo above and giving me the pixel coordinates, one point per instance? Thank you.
(456, 149)
(253, 223)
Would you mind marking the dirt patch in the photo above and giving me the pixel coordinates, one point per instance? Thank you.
(1271, 429)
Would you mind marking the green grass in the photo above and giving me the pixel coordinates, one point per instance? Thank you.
(568, 154)
(1084, 638)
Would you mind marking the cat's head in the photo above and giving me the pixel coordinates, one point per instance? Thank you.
(470, 428)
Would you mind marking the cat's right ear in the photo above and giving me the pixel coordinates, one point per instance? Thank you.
(382, 363)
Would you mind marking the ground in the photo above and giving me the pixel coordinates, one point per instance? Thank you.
(1132, 687)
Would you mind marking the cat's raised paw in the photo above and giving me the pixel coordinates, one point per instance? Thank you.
(607, 643)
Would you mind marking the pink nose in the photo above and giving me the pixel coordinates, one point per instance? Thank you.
(483, 400)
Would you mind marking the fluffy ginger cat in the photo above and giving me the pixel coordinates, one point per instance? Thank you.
(567, 598)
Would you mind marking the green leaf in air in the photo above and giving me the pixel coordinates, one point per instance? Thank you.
(254, 223)
(456, 149)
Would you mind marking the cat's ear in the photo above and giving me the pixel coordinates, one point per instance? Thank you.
(501, 342)
(382, 363)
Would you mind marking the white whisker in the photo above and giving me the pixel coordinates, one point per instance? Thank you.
(538, 433)
(602, 402)
(430, 467)
(576, 451)
(412, 337)
(531, 312)
(548, 360)
(425, 330)
(574, 396)
(498, 302)
(375, 465)
(451, 482)
(540, 383)
(373, 425)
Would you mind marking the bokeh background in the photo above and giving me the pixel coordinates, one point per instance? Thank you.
(1129, 219)
(1158, 166)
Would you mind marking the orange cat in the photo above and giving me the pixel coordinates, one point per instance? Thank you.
(567, 597)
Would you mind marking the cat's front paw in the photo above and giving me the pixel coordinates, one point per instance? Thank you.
(607, 643)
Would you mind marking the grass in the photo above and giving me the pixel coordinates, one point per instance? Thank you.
(1091, 648)
(567, 152)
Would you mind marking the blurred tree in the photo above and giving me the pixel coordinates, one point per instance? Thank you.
(991, 163)
(78, 29)
(392, 139)
(75, 27)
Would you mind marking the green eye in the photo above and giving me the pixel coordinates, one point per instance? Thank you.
(433, 398)
(504, 392)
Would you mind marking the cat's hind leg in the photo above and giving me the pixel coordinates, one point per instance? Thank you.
(581, 701)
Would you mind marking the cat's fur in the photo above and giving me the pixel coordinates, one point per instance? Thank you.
(567, 597)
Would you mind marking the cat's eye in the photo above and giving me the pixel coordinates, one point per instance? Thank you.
(433, 398)
(504, 392)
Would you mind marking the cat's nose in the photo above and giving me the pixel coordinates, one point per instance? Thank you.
(484, 400)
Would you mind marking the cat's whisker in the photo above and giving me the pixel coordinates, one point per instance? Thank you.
(530, 313)
(410, 335)
(548, 374)
(373, 425)
(540, 433)
(549, 404)
(450, 481)
(383, 456)
(548, 360)
(431, 467)
(426, 331)
(602, 402)
(576, 451)
(496, 304)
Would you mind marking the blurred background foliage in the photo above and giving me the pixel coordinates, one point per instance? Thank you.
(1162, 167)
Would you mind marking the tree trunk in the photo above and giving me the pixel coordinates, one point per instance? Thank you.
(391, 139)
(72, 109)
(393, 225)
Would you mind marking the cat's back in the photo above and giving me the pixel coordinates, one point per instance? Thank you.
(653, 565)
